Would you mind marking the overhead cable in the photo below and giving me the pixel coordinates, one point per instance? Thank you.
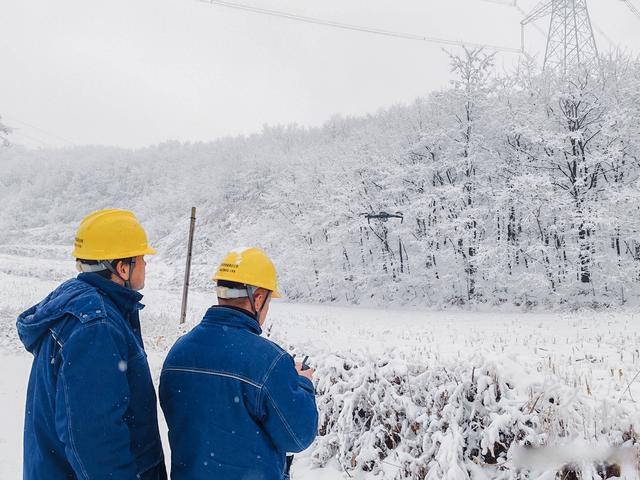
(357, 28)
(39, 142)
(12, 119)
(632, 7)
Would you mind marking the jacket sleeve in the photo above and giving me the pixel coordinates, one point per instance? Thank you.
(92, 396)
(290, 416)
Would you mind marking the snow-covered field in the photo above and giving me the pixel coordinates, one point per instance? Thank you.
(402, 393)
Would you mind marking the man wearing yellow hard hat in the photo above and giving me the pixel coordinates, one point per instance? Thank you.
(235, 402)
(91, 406)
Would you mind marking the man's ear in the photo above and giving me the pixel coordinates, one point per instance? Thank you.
(259, 298)
(123, 269)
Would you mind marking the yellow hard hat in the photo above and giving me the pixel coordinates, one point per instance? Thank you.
(109, 235)
(249, 266)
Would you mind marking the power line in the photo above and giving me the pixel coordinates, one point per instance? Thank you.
(535, 25)
(632, 7)
(357, 28)
(12, 119)
(38, 141)
(514, 4)
(603, 35)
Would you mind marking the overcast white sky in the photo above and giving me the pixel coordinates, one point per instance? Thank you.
(137, 72)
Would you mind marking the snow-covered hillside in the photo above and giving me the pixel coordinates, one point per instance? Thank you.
(516, 190)
(405, 393)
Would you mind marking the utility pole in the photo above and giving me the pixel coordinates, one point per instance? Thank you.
(187, 270)
(571, 45)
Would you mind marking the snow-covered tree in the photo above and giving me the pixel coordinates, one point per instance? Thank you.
(4, 134)
(515, 189)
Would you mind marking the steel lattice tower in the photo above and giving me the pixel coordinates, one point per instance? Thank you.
(571, 45)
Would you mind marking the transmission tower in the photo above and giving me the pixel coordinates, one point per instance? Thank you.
(571, 45)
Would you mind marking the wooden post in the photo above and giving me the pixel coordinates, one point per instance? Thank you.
(187, 270)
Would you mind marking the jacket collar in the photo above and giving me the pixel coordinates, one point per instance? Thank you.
(232, 317)
(125, 299)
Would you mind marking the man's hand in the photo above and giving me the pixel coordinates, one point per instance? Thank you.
(308, 373)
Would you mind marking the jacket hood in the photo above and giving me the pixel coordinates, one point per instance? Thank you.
(73, 297)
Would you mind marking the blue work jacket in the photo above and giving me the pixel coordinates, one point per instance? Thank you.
(91, 410)
(234, 403)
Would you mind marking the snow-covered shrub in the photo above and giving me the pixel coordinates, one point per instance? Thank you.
(399, 419)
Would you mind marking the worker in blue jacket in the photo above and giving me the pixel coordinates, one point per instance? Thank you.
(91, 409)
(235, 402)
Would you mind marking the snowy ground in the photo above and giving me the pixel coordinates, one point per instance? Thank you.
(595, 354)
